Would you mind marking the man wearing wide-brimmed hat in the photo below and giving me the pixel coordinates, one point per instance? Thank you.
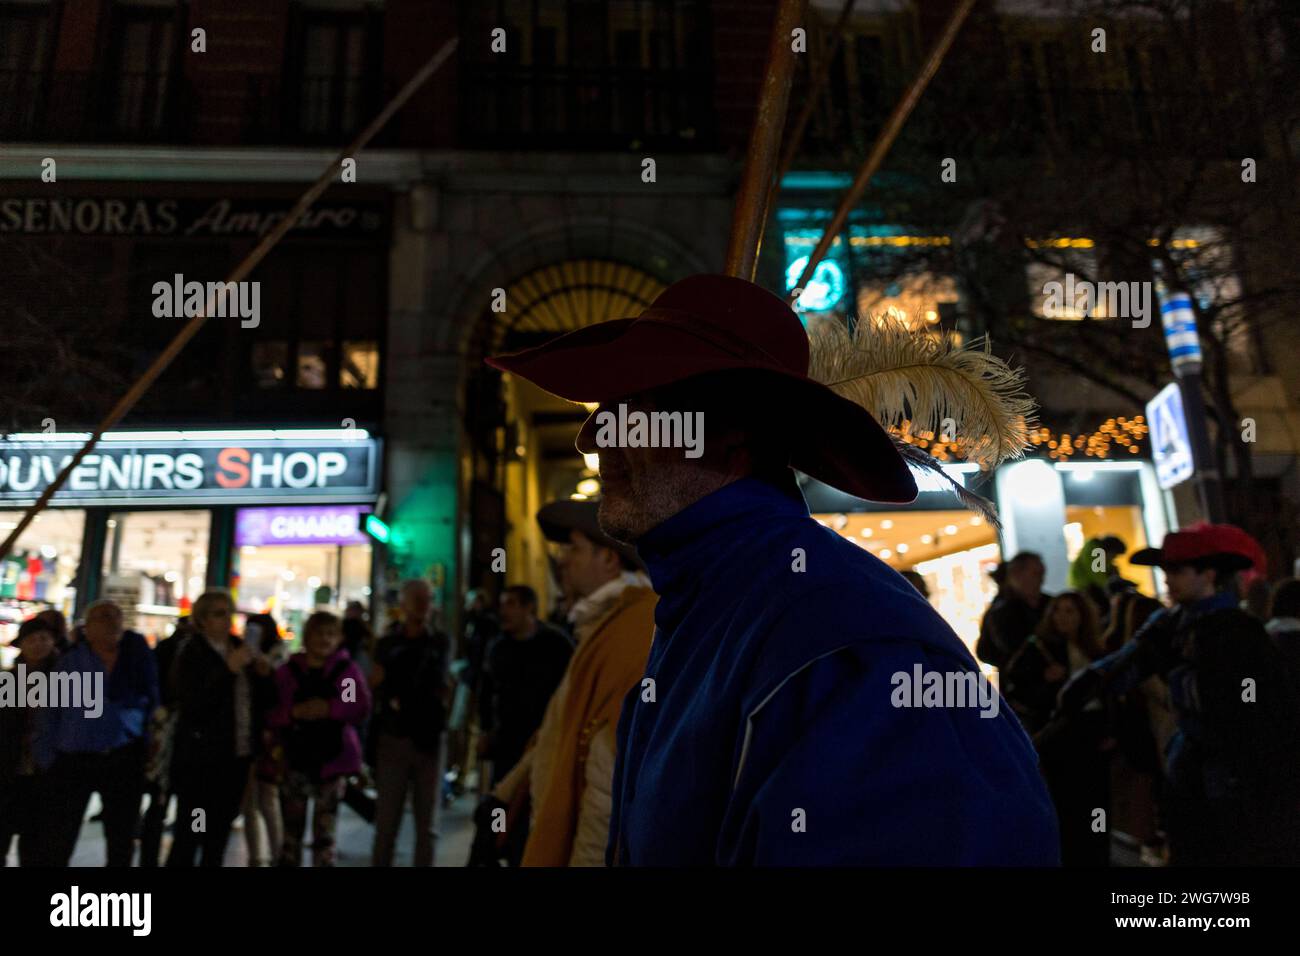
(777, 721)
(1231, 775)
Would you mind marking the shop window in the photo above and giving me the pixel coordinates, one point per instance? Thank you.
(40, 572)
(921, 300)
(953, 550)
(289, 582)
(1085, 523)
(155, 565)
(360, 365)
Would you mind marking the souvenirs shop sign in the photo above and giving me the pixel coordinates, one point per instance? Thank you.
(187, 468)
(186, 218)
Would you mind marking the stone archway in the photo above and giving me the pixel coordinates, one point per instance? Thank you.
(520, 440)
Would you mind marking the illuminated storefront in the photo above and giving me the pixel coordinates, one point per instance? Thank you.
(151, 519)
(288, 561)
(1052, 508)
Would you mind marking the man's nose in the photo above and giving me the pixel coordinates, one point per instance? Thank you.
(586, 440)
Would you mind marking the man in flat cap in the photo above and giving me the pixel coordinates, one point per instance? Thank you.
(800, 702)
(568, 770)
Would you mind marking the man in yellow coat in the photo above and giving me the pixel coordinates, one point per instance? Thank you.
(569, 769)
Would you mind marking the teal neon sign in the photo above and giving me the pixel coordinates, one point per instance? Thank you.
(823, 290)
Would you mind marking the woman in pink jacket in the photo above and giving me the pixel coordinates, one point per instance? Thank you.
(321, 699)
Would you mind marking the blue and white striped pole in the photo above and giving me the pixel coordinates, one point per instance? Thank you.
(1181, 338)
(1184, 344)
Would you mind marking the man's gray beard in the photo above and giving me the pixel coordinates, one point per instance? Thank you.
(623, 520)
(669, 490)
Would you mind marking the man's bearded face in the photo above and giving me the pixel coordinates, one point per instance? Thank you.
(643, 487)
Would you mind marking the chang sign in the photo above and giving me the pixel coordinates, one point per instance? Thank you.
(324, 524)
(195, 467)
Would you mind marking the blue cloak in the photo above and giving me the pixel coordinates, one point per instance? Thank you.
(768, 730)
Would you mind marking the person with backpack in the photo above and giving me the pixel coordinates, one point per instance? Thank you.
(321, 699)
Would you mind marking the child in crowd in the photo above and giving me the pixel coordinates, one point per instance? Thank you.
(322, 698)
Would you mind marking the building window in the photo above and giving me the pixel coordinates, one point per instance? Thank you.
(322, 321)
(1057, 283)
(25, 42)
(313, 364)
(143, 74)
(587, 73)
(359, 367)
(270, 359)
(333, 79)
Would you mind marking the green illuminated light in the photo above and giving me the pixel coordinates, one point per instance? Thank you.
(377, 529)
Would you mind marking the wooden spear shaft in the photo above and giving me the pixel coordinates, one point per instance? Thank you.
(790, 148)
(750, 212)
(249, 263)
(883, 143)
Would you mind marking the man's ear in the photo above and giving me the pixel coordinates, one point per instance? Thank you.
(612, 560)
(736, 457)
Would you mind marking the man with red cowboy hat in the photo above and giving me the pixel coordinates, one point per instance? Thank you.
(777, 723)
(1231, 789)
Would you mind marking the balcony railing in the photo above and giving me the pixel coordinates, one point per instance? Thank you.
(584, 108)
(88, 107)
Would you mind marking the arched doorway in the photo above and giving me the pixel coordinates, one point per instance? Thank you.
(519, 447)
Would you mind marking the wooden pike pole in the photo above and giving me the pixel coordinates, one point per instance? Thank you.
(749, 214)
(790, 149)
(883, 142)
(250, 262)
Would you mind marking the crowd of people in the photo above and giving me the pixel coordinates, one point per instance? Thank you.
(720, 681)
(219, 724)
(210, 725)
(1177, 726)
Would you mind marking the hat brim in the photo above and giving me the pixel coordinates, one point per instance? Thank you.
(559, 519)
(1148, 557)
(837, 441)
(1155, 557)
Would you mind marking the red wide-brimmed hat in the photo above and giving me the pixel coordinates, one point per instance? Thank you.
(1235, 548)
(716, 323)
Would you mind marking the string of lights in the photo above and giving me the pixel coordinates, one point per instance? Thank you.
(1107, 442)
